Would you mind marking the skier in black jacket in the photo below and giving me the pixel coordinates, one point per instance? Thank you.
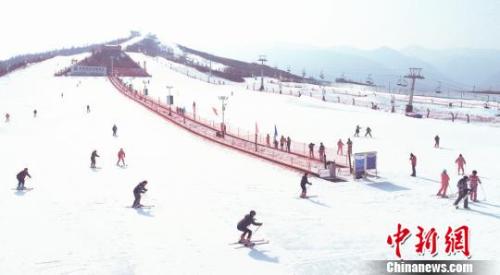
(138, 190)
(303, 183)
(462, 192)
(436, 141)
(356, 132)
(92, 158)
(114, 130)
(311, 150)
(243, 226)
(21, 176)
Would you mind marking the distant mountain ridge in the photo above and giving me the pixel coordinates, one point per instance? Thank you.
(456, 69)
(451, 70)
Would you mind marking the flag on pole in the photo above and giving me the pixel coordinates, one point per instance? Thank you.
(275, 132)
(215, 111)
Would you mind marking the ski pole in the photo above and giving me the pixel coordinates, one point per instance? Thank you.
(257, 229)
(484, 193)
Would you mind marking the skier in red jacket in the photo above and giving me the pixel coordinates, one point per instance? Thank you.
(445, 180)
(413, 160)
(460, 161)
(121, 157)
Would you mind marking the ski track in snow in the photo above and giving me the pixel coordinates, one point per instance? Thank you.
(77, 221)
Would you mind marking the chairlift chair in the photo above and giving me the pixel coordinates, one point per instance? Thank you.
(438, 88)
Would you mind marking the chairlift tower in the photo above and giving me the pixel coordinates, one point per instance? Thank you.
(413, 75)
(223, 100)
(262, 59)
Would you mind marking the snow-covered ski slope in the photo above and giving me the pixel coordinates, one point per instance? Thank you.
(77, 220)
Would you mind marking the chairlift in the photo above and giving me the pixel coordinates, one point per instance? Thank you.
(369, 80)
(402, 82)
(438, 88)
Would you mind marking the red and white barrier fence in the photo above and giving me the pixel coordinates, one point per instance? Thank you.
(238, 140)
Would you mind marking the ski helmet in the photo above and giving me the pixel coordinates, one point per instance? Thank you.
(252, 213)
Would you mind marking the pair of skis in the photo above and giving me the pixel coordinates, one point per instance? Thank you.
(249, 244)
(23, 189)
(142, 207)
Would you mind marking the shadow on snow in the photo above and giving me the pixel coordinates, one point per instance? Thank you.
(387, 186)
(261, 256)
(144, 212)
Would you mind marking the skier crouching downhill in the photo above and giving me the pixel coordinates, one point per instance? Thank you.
(243, 226)
(138, 190)
(21, 176)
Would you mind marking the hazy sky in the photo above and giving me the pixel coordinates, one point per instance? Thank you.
(216, 25)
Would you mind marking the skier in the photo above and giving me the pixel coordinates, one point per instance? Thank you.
(445, 180)
(321, 150)
(436, 141)
(460, 161)
(349, 146)
(88, 109)
(268, 140)
(138, 190)
(121, 157)
(340, 145)
(34, 113)
(7, 117)
(275, 144)
(311, 150)
(288, 144)
(368, 132)
(21, 176)
(243, 227)
(356, 133)
(303, 183)
(413, 160)
(114, 130)
(462, 192)
(92, 158)
(474, 181)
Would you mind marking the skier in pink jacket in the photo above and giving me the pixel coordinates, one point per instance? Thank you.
(473, 182)
(340, 146)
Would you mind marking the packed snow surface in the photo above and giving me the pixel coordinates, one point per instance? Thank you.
(78, 221)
